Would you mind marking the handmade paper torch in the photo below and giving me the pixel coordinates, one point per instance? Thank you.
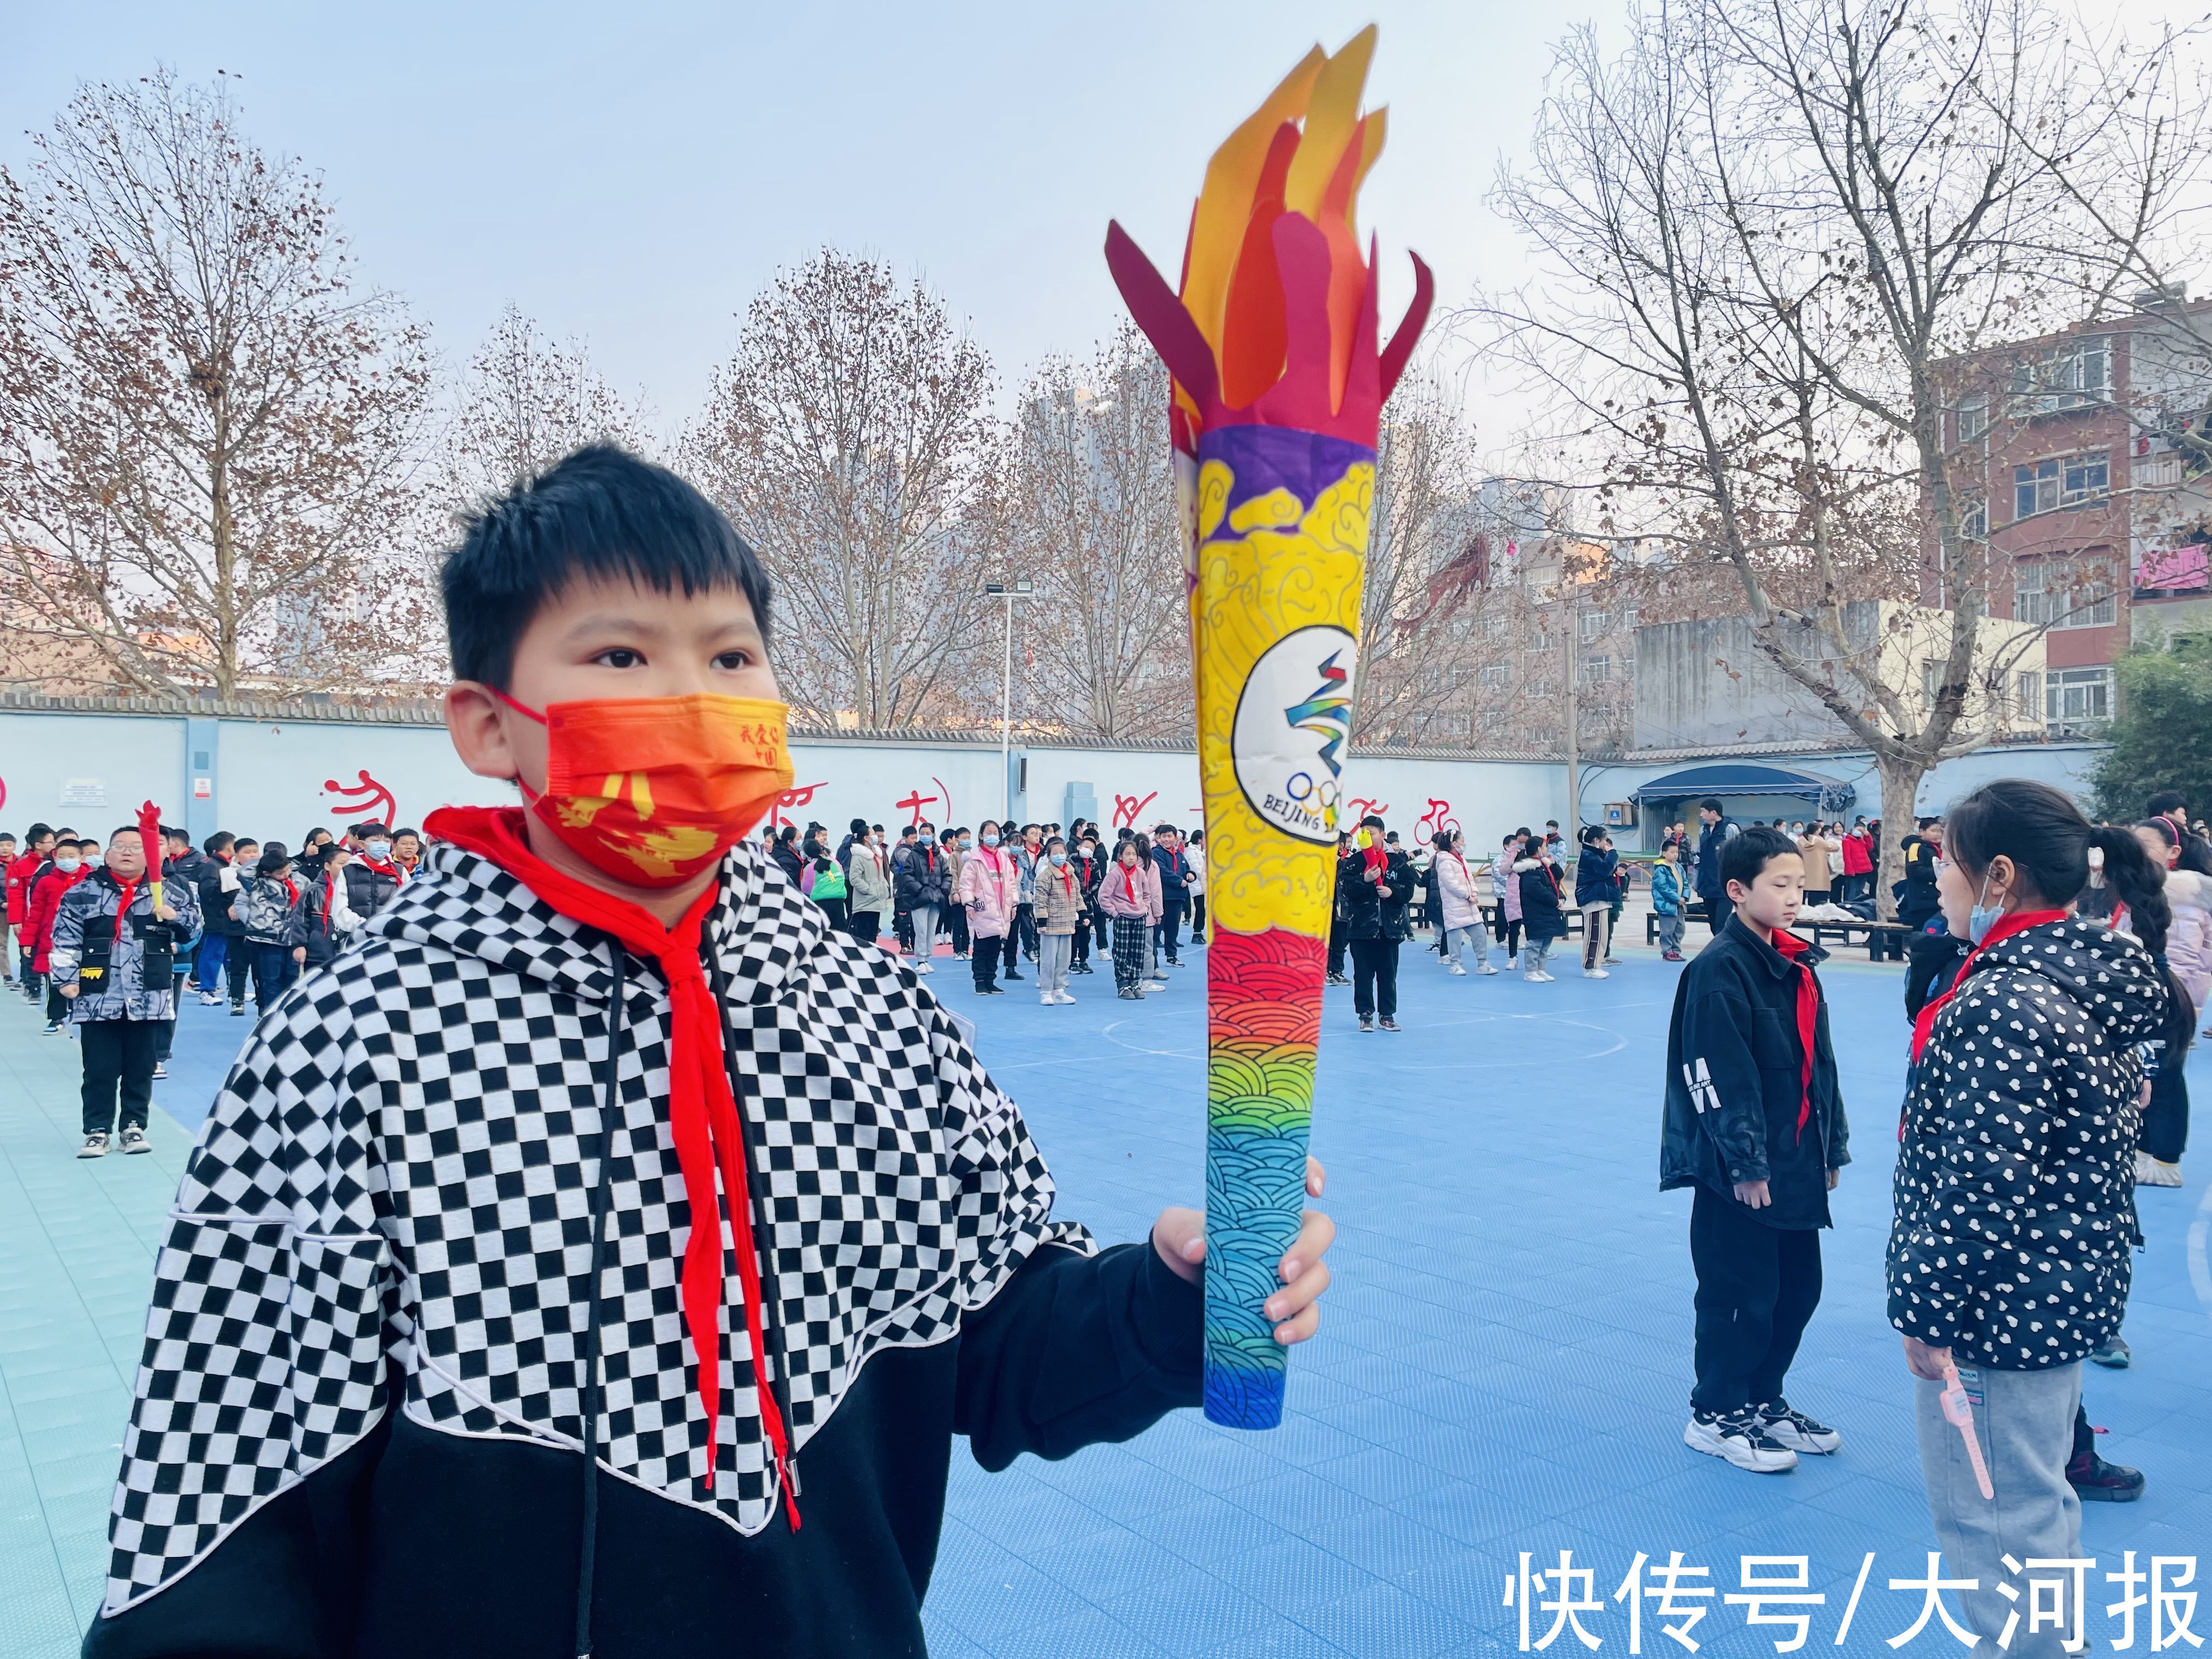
(1279, 384)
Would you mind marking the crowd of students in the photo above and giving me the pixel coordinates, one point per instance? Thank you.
(1002, 895)
(111, 946)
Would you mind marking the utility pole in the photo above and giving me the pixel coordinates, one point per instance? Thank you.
(1571, 614)
(1022, 589)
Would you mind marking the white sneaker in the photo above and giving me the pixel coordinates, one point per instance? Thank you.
(209, 1000)
(1790, 1428)
(2153, 1172)
(1543, 978)
(1484, 968)
(922, 965)
(1063, 997)
(95, 1145)
(1596, 973)
(1740, 1438)
(1460, 971)
(1047, 998)
(134, 1140)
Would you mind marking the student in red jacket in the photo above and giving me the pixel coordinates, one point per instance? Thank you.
(66, 869)
(20, 870)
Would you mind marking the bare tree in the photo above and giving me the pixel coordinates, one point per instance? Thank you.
(1415, 655)
(1770, 231)
(525, 402)
(207, 433)
(1089, 513)
(851, 437)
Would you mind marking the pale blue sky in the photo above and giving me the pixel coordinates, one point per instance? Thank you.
(633, 173)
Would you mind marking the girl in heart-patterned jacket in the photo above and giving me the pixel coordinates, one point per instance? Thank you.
(2009, 1258)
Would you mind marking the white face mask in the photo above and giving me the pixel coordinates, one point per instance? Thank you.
(69, 866)
(379, 850)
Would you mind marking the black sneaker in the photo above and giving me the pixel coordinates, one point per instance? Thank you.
(2112, 1353)
(1389, 1024)
(1795, 1430)
(1739, 1436)
(2094, 1480)
(238, 1011)
(1337, 978)
(160, 1070)
(1130, 993)
(1011, 974)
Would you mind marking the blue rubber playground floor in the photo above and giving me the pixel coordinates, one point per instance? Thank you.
(1503, 1367)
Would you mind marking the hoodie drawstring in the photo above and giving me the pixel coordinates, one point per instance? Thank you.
(609, 1105)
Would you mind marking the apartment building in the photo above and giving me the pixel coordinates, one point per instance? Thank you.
(2081, 459)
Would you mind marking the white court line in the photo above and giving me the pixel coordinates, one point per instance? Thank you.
(1620, 1042)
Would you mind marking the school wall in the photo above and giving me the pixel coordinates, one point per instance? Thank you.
(278, 776)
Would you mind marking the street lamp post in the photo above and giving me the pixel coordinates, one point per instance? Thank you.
(1022, 589)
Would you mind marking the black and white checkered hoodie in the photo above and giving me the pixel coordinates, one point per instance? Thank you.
(2015, 1177)
(389, 1205)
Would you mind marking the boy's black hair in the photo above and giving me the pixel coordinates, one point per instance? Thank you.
(2166, 800)
(363, 830)
(244, 841)
(927, 824)
(1746, 852)
(119, 829)
(1057, 841)
(397, 833)
(858, 827)
(1370, 822)
(601, 513)
(1711, 804)
(37, 830)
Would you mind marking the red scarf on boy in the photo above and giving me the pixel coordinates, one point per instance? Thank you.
(1793, 951)
(703, 1114)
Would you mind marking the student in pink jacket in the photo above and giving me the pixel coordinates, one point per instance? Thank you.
(1129, 893)
(990, 887)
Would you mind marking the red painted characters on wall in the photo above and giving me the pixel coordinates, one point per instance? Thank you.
(1435, 824)
(366, 802)
(1126, 808)
(801, 796)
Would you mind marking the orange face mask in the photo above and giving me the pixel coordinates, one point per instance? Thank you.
(653, 790)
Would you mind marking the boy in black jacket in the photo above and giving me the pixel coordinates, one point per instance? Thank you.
(600, 1190)
(1754, 1122)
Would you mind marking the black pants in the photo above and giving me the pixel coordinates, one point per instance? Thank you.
(2165, 1120)
(955, 923)
(167, 1040)
(864, 925)
(1336, 947)
(834, 909)
(1081, 949)
(1757, 1288)
(902, 930)
(1718, 910)
(983, 957)
(1197, 917)
(32, 983)
(237, 961)
(57, 1004)
(1508, 934)
(1025, 929)
(274, 970)
(119, 1053)
(1374, 977)
(1167, 933)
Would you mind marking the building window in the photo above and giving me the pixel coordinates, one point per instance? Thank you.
(1597, 668)
(1974, 517)
(2028, 693)
(2044, 594)
(2062, 481)
(2077, 695)
(1931, 679)
(1493, 625)
(1628, 620)
(1973, 417)
(1497, 676)
(1593, 624)
(2068, 376)
(1541, 645)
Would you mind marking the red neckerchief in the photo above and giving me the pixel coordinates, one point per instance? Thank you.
(1129, 881)
(386, 868)
(1068, 880)
(1793, 951)
(129, 889)
(330, 897)
(291, 890)
(702, 1113)
(2018, 923)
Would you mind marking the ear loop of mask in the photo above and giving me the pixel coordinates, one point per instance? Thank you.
(530, 795)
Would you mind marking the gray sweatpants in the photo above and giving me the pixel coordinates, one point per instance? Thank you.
(1457, 941)
(1052, 952)
(2025, 1422)
(1670, 932)
(925, 930)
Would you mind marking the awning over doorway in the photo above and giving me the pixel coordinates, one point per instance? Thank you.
(1725, 778)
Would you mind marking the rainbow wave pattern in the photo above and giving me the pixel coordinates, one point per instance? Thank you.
(1279, 381)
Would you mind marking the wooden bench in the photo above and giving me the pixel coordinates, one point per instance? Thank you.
(1574, 919)
(1885, 940)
